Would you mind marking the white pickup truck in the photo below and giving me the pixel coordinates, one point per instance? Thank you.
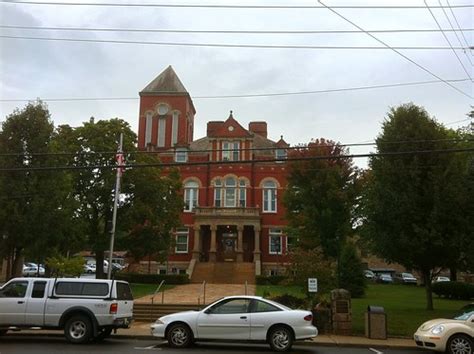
(85, 308)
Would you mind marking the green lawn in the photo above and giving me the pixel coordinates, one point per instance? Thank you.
(404, 305)
(140, 290)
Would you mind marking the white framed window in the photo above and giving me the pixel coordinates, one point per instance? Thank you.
(269, 197)
(230, 150)
(191, 195)
(181, 155)
(182, 236)
(275, 238)
(174, 128)
(230, 192)
(280, 154)
(161, 131)
(162, 271)
(148, 126)
(218, 193)
(242, 193)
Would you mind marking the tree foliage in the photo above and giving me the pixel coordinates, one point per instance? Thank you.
(321, 195)
(351, 271)
(416, 209)
(61, 266)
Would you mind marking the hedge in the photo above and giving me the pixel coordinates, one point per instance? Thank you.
(291, 301)
(153, 278)
(270, 280)
(454, 290)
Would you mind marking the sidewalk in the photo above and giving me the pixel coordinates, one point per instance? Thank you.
(141, 330)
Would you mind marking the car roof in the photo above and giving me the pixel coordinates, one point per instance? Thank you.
(242, 296)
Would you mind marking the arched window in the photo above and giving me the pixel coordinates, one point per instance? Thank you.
(242, 193)
(191, 195)
(230, 192)
(218, 193)
(269, 197)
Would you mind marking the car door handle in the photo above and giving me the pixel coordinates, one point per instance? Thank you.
(21, 302)
(243, 317)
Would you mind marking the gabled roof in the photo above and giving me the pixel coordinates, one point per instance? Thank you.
(166, 82)
(231, 128)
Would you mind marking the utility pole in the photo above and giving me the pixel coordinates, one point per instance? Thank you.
(120, 163)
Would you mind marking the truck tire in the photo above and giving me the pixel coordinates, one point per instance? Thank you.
(78, 329)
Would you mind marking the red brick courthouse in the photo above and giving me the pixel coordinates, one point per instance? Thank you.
(233, 220)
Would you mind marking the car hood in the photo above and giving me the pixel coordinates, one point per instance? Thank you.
(178, 315)
(430, 324)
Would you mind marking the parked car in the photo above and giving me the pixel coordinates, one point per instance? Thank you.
(384, 278)
(250, 318)
(32, 270)
(441, 279)
(405, 278)
(454, 336)
(89, 268)
(369, 274)
(84, 308)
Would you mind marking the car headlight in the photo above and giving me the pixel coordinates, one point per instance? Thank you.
(437, 329)
(158, 321)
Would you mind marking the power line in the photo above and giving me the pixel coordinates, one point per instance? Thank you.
(455, 33)
(396, 7)
(208, 163)
(396, 51)
(274, 148)
(224, 45)
(343, 89)
(447, 39)
(151, 30)
(459, 26)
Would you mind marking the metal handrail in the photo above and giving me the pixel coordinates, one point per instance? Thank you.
(202, 292)
(157, 291)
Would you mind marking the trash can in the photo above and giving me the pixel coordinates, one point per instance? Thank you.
(375, 323)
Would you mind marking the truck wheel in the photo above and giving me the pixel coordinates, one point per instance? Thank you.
(78, 329)
(103, 333)
(280, 339)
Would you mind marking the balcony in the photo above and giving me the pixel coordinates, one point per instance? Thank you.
(227, 212)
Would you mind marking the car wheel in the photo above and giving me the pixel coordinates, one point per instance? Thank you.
(78, 329)
(103, 333)
(280, 339)
(179, 336)
(460, 344)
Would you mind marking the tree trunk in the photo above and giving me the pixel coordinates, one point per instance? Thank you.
(453, 274)
(17, 268)
(429, 293)
(99, 265)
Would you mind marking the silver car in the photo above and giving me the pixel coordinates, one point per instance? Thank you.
(238, 318)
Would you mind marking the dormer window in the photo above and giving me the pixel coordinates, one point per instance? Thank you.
(181, 155)
(230, 150)
(280, 154)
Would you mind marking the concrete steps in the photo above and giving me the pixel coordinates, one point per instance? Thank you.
(224, 273)
(149, 312)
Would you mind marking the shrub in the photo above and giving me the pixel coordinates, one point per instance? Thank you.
(153, 278)
(270, 280)
(291, 301)
(454, 290)
(350, 271)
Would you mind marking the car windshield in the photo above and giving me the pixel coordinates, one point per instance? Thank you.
(407, 275)
(466, 312)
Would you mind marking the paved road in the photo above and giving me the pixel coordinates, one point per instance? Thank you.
(16, 344)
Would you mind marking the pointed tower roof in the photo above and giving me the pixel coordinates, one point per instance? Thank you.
(166, 82)
(231, 128)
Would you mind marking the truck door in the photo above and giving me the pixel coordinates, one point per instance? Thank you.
(35, 306)
(13, 303)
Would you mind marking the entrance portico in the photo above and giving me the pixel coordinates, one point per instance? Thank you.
(227, 235)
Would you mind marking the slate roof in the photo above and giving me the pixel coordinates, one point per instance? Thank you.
(166, 82)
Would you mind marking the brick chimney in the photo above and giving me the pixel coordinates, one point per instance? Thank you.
(212, 127)
(259, 128)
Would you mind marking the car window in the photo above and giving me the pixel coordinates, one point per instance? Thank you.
(80, 288)
(38, 289)
(466, 312)
(231, 306)
(123, 291)
(262, 306)
(15, 289)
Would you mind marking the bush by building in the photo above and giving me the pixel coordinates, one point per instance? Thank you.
(454, 290)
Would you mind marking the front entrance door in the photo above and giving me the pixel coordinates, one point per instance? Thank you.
(229, 246)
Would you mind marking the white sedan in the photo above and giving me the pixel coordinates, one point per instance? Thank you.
(238, 318)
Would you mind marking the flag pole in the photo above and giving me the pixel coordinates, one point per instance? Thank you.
(120, 163)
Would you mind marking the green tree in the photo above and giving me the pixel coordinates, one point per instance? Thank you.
(37, 208)
(351, 272)
(415, 204)
(321, 194)
(62, 266)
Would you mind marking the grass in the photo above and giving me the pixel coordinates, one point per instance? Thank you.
(140, 290)
(405, 306)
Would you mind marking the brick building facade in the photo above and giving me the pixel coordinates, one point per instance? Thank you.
(233, 217)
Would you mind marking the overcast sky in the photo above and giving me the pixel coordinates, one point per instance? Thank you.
(58, 69)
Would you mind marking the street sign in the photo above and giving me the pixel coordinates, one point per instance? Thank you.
(312, 285)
